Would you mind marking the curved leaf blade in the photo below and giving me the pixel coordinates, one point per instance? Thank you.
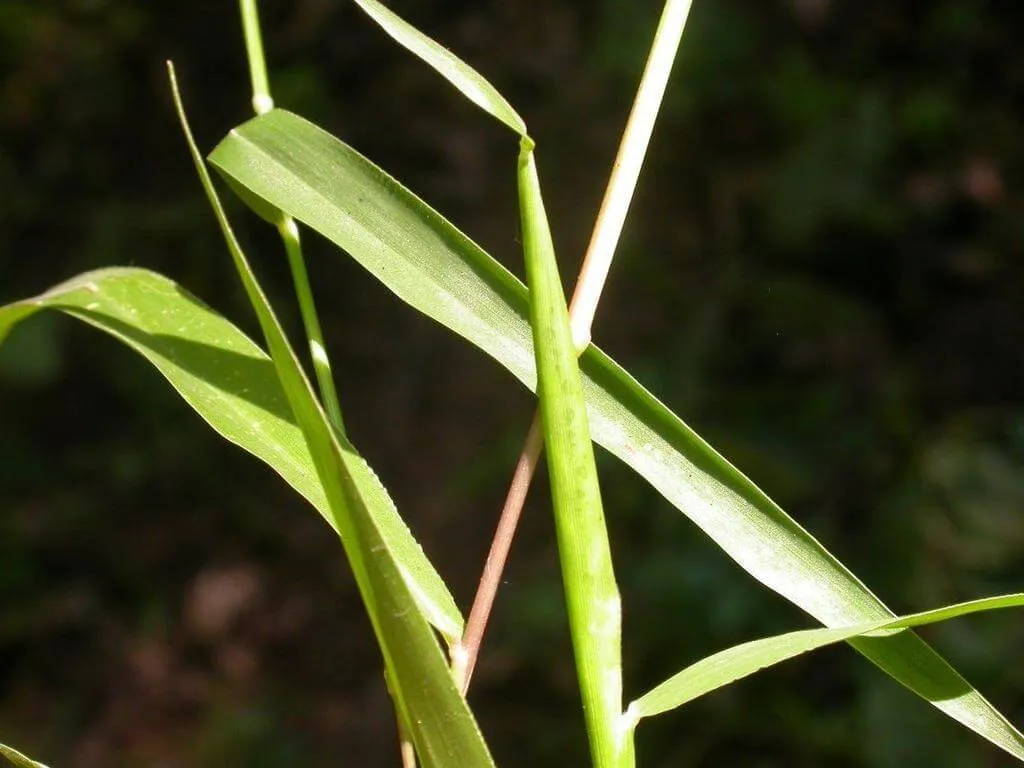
(232, 385)
(427, 262)
(728, 666)
(467, 80)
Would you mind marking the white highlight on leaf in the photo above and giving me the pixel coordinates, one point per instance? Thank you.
(317, 351)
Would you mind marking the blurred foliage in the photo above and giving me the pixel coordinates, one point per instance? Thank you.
(822, 274)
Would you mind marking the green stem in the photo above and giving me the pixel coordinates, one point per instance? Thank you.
(304, 292)
(261, 99)
(263, 102)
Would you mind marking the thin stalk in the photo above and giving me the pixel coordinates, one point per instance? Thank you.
(467, 650)
(593, 275)
(405, 746)
(263, 102)
(304, 292)
(626, 170)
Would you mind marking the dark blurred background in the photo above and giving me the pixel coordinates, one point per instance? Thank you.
(822, 274)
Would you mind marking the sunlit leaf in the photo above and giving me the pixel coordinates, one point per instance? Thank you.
(18, 759)
(441, 725)
(592, 596)
(301, 169)
(232, 385)
(728, 666)
(469, 82)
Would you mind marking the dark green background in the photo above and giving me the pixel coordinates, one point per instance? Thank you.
(822, 274)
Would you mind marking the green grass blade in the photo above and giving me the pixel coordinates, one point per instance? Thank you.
(734, 663)
(18, 759)
(592, 596)
(231, 383)
(414, 251)
(368, 213)
(443, 728)
(467, 80)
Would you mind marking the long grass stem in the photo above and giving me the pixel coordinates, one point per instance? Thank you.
(304, 292)
(262, 102)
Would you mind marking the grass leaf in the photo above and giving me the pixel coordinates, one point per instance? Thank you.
(467, 80)
(592, 596)
(732, 664)
(442, 727)
(18, 759)
(427, 262)
(233, 386)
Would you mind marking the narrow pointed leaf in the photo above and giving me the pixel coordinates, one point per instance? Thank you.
(18, 759)
(442, 727)
(734, 663)
(467, 80)
(592, 597)
(232, 385)
(412, 249)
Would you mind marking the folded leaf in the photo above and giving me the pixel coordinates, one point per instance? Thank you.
(592, 596)
(427, 262)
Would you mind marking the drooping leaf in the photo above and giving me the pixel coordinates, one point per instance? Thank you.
(442, 727)
(412, 249)
(232, 385)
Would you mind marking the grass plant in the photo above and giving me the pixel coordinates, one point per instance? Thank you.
(258, 396)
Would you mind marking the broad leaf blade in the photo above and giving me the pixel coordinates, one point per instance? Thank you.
(467, 80)
(232, 385)
(728, 666)
(427, 262)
